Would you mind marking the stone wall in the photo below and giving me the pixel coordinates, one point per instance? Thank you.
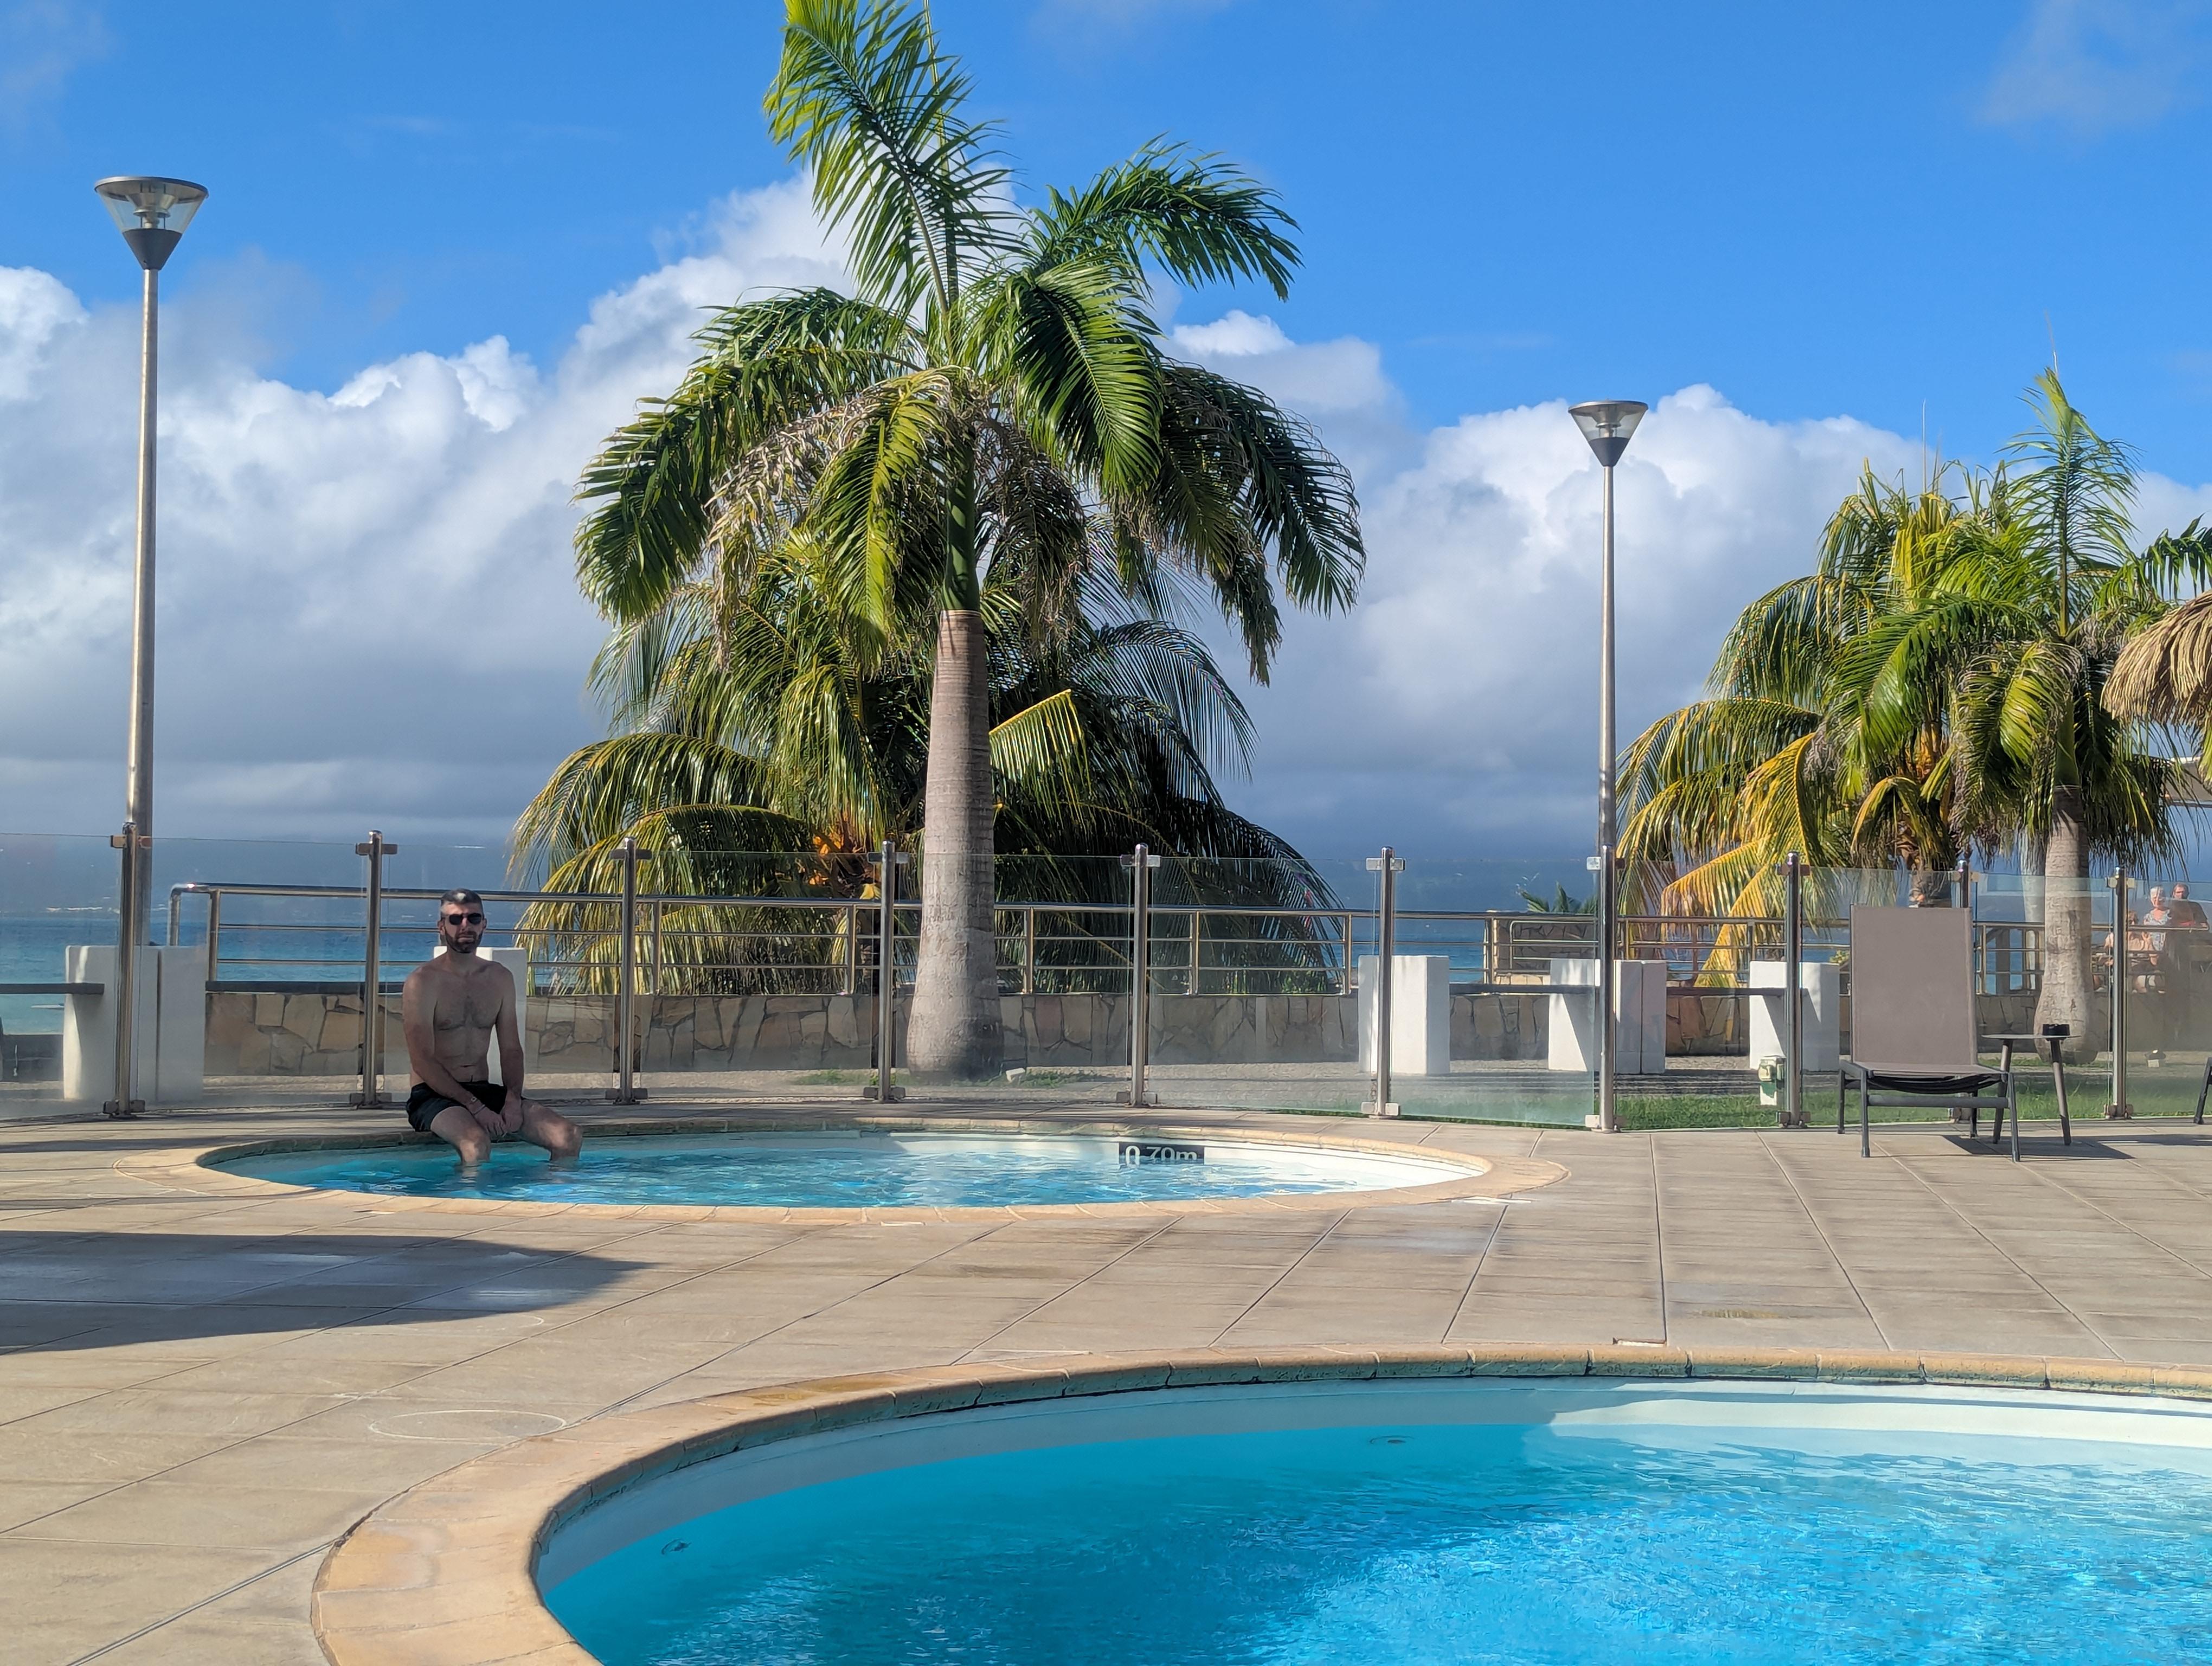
(281, 1035)
(277, 1035)
(1706, 1022)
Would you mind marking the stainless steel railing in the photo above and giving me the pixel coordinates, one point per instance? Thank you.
(684, 941)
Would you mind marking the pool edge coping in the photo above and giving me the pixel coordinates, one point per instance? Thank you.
(446, 1571)
(199, 1168)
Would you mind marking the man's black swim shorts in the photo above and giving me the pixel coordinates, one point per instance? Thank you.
(426, 1102)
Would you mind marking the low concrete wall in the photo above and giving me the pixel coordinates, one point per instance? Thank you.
(281, 1035)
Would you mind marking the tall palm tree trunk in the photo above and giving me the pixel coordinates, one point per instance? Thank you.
(2068, 937)
(954, 1030)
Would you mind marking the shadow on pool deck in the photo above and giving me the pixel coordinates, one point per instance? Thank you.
(100, 1290)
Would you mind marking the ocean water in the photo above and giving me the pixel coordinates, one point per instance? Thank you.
(32, 946)
(844, 1172)
(1407, 1545)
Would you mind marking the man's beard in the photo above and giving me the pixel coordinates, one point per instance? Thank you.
(456, 946)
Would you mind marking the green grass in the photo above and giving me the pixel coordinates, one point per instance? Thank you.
(1060, 1077)
(836, 1078)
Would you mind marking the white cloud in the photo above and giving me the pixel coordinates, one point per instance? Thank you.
(1455, 710)
(368, 611)
(2091, 66)
(369, 615)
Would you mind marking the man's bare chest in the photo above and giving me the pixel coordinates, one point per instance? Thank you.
(465, 1003)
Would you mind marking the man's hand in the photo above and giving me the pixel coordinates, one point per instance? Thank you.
(491, 1121)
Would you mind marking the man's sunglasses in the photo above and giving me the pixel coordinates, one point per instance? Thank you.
(464, 918)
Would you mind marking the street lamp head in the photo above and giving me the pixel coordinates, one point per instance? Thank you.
(1607, 424)
(151, 213)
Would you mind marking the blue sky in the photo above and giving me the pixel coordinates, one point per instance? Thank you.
(1818, 209)
(448, 247)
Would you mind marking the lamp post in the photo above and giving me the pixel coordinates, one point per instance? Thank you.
(152, 214)
(1607, 424)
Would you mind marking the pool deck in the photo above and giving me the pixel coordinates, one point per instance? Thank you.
(200, 1392)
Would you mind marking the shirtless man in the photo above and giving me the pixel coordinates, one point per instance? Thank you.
(451, 1004)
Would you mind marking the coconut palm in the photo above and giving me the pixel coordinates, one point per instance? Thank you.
(742, 731)
(1783, 756)
(1938, 683)
(759, 727)
(993, 388)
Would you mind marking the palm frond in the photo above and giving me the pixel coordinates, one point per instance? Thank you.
(1201, 220)
(865, 99)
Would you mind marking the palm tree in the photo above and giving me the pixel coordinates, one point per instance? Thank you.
(1783, 756)
(993, 390)
(755, 727)
(1937, 685)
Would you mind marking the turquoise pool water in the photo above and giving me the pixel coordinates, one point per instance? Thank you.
(868, 1171)
(1419, 1543)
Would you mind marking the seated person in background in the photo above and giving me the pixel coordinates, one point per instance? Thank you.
(2186, 913)
(452, 1003)
(2160, 913)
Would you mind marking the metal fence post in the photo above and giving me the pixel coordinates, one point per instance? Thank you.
(888, 860)
(128, 931)
(1390, 864)
(626, 1090)
(214, 934)
(374, 850)
(1606, 1024)
(1141, 865)
(1029, 950)
(2119, 1106)
(1793, 985)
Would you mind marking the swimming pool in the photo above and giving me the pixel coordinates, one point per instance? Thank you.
(864, 1170)
(1658, 1523)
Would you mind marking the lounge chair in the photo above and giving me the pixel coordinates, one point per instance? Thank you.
(1913, 1033)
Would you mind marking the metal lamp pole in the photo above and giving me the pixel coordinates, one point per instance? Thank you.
(152, 214)
(1607, 424)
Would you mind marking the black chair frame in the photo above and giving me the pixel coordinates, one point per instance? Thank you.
(1879, 1087)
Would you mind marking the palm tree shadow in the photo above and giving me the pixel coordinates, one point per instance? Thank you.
(65, 1291)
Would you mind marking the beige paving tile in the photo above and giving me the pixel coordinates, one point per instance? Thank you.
(97, 1456)
(381, 1465)
(22, 1501)
(64, 1599)
(283, 1517)
(196, 1640)
(162, 1410)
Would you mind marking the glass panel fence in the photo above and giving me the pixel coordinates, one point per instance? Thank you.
(58, 926)
(283, 931)
(760, 977)
(2044, 951)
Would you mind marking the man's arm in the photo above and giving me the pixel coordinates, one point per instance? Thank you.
(510, 1049)
(416, 1003)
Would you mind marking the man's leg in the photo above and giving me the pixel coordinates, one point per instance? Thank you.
(461, 1130)
(550, 1129)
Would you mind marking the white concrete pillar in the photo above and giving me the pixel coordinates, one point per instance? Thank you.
(1421, 1014)
(171, 991)
(1639, 1007)
(1770, 1016)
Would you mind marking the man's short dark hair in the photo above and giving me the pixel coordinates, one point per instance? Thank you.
(466, 897)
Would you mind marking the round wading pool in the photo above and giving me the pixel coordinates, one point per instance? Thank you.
(1649, 1524)
(864, 1170)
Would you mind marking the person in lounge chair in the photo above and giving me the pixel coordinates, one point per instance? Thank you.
(452, 1004)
